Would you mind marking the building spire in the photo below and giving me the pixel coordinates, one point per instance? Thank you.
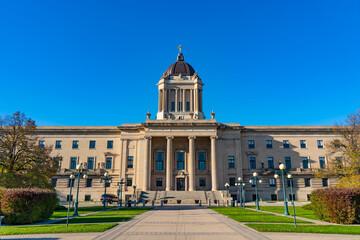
(179, 47)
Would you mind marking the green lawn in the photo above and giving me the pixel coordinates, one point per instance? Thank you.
(253, 216)
(109, 216)
(38, 229)
(81, 210)
(299, 211)
(330, 229)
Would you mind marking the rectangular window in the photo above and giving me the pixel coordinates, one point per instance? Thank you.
(108, 163)
(320, 144)
(180, 107)
(268, 143)
(68, 197)
(159, 182)
(129, 182)
(202, 182)
(290, 183)
(307, 182)
(305, 162)
(180, 160)
(130, 162)
(71, 182)
(110, 144)
(270, 162)
(73, 162)
(53, 182)
(41, 144)
(188, 106)
(252, 163)
(89, 182)
(159, 160)
(251, 143)
(325, 182)
(87, 197)
(288, 162)
(231, 161)
(90, 163)
(322, 162)
(232, 181)
(273, 197)
(286, 144)
(75, 144)
(92, 144)
(302, 143)
(292, 197)
(57, 161)
(202, 160)
(173, 106)
(272, 182)
(58, 144)
(254, 197)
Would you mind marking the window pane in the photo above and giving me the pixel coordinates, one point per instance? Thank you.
(188, 106)
(129, 182)
(92, 144)
(75, 144)
(251, 144)
(305, 162)
(110, 144)
(159, 160)
(42, 144)
(202, 182)
(108, 163)
(73, 163)
(201, 160)
(90, 163)
(302, 143)
(320, 143)
(268, 143)
(270, 162)
(286, 144)
(288, 162)
(180, 160)
(252, 163)
(322, 162)
(231, 161)
(159, 182)
(58, 144)
(130, 162)
(232, 181)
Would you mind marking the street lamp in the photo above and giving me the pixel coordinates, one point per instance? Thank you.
(255, 180)
(80, 170)
(227, 189)
(240, 183)
(290, 177)
(283, 172)
(72, 177)
(134, 195)
(119, 192)
(105, 179)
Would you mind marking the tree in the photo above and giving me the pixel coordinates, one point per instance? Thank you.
(23, 162)
(344, 154)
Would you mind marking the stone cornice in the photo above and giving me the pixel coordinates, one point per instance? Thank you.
(78, 130)
(290, 129)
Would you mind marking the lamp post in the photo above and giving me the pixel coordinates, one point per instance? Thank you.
(289, 176)
(105, 179)
(227, 189)
(119, 192)
(240, 183)
(255, 179)
(283, 172)
(72, 177)
(80, 170)
(134, 195)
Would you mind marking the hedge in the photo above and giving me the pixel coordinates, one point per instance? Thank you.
(27, 205)
(337, 205)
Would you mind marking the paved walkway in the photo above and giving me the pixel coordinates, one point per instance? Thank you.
(180, 223)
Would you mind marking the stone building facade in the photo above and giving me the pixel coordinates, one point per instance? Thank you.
(180, 150)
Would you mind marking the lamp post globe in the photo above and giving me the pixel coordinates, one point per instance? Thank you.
(255, 174)
(282, 166)
(239, 179)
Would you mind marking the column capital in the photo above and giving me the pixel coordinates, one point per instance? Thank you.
(214, 137)
(147, 137)
(192, 137)
(170, 137)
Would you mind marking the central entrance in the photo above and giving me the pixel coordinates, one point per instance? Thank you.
(180, 184)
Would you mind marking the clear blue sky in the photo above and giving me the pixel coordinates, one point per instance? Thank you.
(98, 62)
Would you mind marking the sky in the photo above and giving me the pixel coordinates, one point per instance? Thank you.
(97, 63)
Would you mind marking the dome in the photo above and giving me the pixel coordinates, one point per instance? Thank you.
(180, 66)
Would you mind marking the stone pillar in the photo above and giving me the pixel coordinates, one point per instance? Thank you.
(196, 100)
(159, 100)
(147, 163)
(169, 162)
(214, 184)
(191, 163)
(164, 100)
(191, 100)
(184, 102)
(176, 100)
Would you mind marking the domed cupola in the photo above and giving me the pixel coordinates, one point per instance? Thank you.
(180, 66)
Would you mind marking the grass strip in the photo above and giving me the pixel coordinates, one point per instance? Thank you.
(40, 229)
(81, 210)
(327, 229)
(253, 216)
(299, 211)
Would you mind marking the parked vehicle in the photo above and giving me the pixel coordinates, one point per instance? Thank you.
(110, 198)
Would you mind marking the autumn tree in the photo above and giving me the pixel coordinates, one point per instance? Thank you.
(344, 154)
(23, 163)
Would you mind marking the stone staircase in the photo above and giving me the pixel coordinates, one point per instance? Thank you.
(180, 197)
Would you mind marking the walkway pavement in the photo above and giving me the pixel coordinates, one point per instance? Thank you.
(180, 223)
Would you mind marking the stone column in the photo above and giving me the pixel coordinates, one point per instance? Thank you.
(184, 102)
(191, 100)
(159, 100)
(164, 100)
(147, 163)
(176, 100)
(169, 162)
(196, 99)
(214, 184)
(191, 163)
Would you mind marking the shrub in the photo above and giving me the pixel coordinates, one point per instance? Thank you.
(307, 206)
(337, 205)
(22, 206)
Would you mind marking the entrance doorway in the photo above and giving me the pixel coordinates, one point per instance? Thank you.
(180, 184)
